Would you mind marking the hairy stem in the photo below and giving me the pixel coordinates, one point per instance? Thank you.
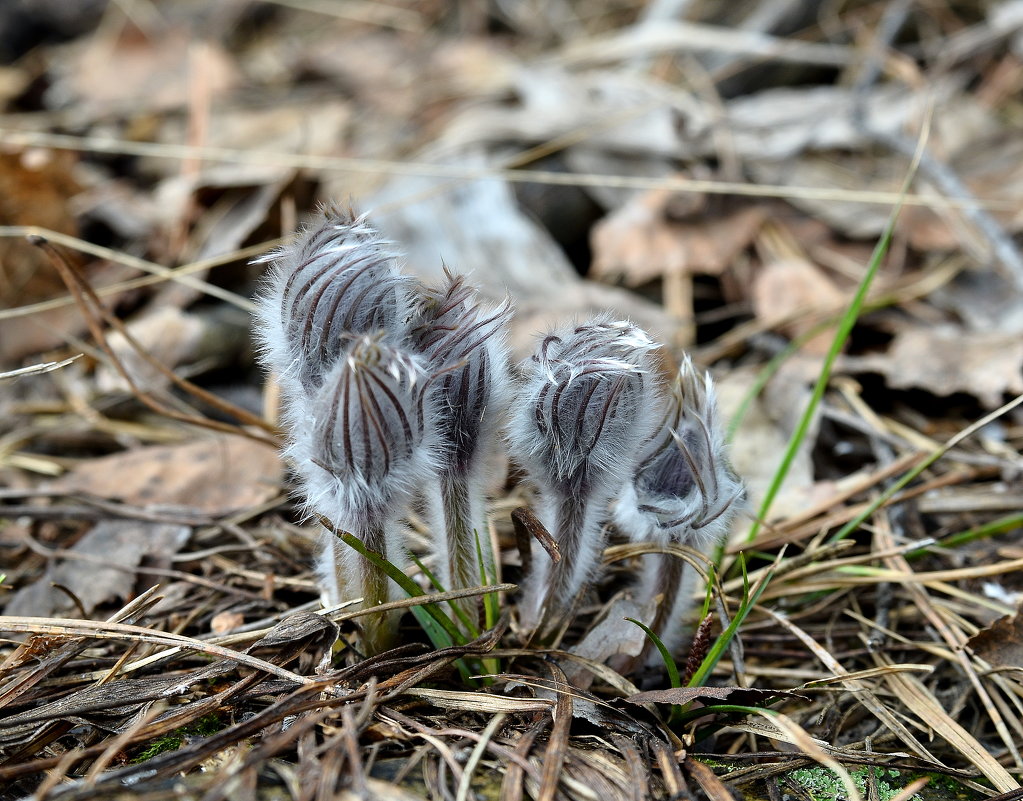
(575, 515)
(462, 519)
(378, 630)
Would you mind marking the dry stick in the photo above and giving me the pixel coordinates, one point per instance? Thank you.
(515, 773)
(121, 741)
(84, 295)
(639, 771)
(465, 786)
(557, 748)
(864, 695)
(967, 432)
(861, 511)
(66, 651)
(912, 692)
(120, 631)
(459, 171)
(158, 273)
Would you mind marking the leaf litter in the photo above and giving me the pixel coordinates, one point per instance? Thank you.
(717, 176)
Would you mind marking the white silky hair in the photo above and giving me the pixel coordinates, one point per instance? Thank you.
(464, 341)
(583, 409)
(312, 286)
(323, 293)
(682, 492)
(363, 491)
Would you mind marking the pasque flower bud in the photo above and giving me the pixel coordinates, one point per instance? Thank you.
(578, 421)
(463, 342)
(682, 491)
(336, 279)
(360, 452)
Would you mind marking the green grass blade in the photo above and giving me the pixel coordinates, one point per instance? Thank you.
(717, 650)
(491, 603)
(845, 327)
(398, 577)
(669, 663)
(999, 526)
(472, 630)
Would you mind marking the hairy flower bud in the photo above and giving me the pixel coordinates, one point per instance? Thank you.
(336, 279)
(682, 491)
(463, 342)
(579, 419)
(360, 451)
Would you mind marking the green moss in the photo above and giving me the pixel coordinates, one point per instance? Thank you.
(203, 727)
(824, 785)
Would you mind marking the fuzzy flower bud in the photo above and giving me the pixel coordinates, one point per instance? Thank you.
(336, 279)
(463, 342)
(579, 420)
(360, 452)
(682, 491)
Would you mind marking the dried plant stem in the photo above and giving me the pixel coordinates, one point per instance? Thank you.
(663, 572)
(94, 311)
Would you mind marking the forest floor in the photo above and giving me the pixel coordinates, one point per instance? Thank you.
(726, 176)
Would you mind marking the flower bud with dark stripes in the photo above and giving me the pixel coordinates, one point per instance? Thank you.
(361, 452)
(682, 491)
(338, 278)
(463, 342)
(578, 422)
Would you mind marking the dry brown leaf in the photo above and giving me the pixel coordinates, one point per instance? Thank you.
(615, 635)
(135, 72)
(645, 239)
(224, 622)
(945, 359)
(211, 476)
(783, 288)
(1001, 643)
(100, 567)
(173, 337)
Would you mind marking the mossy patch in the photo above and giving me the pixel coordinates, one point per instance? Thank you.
(203, 727)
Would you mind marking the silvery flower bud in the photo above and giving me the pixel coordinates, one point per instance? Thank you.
(464, 342)
(682, 491)
(360, 445)
(365, 438)
(683, 488)
(587, 389)
(338, 278)
(582, 413)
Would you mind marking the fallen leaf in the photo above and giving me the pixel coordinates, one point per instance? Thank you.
(1001, 643)
(944, 359)
(174, 338)
(133, 71)
(100, 568)
(212, 476)
(226, 621)
(646, 239)
(783, 288)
